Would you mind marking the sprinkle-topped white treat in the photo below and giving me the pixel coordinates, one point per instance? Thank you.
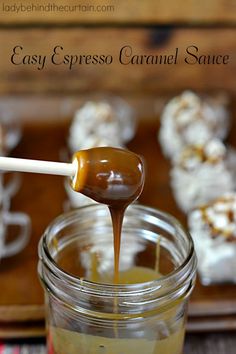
(188, 119)
(200, 174)
(213, 228)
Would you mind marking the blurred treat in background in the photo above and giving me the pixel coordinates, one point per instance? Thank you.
(191, 119)
(201, 173)
(101, 122)
(213, 228)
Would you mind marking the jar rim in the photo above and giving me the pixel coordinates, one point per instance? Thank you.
(184, 272)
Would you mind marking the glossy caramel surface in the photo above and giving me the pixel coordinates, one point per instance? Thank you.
(109, 175)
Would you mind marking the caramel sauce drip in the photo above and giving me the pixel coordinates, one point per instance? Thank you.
(114, 177)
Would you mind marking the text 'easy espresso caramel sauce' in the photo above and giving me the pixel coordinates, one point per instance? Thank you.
(110, 176)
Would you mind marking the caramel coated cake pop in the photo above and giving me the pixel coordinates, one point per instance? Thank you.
(77, 199)
(101, 123)
(188, 119)
(213, 228)
(200, 174)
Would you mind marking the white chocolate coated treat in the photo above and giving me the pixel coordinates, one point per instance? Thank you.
(188, 119)
(101, 123)
(95, 141)
(213, 228)
(201, 174)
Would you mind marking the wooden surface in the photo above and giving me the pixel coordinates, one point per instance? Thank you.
(42, 197)
(141, 78)
(127, 11)
(210, 343)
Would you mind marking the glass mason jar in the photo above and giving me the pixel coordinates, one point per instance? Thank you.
(86, 312)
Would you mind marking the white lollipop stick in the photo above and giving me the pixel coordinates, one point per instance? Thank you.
(38, 166)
